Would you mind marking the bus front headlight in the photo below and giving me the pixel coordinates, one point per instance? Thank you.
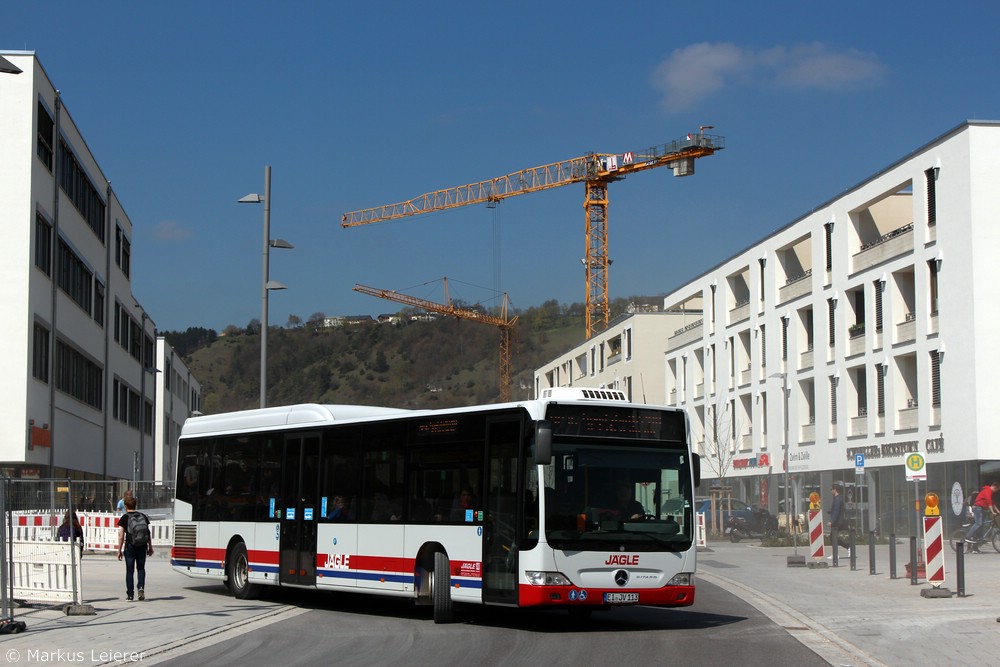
(547, 578)
(682, 579)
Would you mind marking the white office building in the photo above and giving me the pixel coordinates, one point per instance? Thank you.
(877, 311)
(81, 374)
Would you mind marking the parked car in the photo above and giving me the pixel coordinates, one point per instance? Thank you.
(727, 508)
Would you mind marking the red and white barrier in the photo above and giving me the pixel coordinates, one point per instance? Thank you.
(934, 550)
(700, 536)
(816, 546)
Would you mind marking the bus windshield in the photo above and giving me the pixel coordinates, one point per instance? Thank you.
(618, 495)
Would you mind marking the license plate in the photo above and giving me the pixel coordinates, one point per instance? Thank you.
(621, 598)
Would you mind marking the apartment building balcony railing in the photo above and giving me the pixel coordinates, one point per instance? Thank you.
(740, 312)
(907, 329)
(614, 358)
(745, 376)
(932, 327)
(685, 335)
(887, 246)
(806, 359)
(795, 286)
(856, 339)
(859, 425)
(699, 390)
(908, 417)
(809, 432)
(746, 442)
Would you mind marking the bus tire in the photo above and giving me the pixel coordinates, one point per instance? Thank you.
(238, 574)
(441, 589)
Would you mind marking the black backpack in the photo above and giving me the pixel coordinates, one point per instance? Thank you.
(138, 529)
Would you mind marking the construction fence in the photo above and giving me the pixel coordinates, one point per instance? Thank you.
(41, 553)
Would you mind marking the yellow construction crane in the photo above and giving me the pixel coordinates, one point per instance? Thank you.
(505, 324)
(595, 170)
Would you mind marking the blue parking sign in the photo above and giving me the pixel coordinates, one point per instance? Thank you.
(859, 460)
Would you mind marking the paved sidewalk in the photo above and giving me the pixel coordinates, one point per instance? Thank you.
(847, 617)
(856, 618)
(179, 614)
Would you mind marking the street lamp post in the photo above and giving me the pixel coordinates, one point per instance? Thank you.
(266, 284)
(790, 505)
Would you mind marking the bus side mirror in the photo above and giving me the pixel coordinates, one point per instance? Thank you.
(543, 442)
(696, 465)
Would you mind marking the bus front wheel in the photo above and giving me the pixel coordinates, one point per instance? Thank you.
(441, 589)
(238, 573)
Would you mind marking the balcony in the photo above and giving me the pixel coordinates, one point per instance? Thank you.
(809, 432)
(740, 312)
(699, 390)
(895, 243)
(908, 417)
(859, 425)
(907, 329)
(745, 377)
(795, 286)
(614, 358)
(856, 339)
(685, 335)
(806, 359)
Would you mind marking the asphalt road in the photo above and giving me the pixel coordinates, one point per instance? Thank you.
(345, 629)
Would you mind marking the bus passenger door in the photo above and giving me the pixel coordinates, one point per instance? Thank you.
(299, 511)
(503, 523)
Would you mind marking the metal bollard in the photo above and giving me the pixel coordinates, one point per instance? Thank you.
(913, 560)
(852, 553)
(892, 556)
(960, 568)
(871, 552)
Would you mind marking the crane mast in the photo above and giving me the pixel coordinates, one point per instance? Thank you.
(595, 170)
(502, 322)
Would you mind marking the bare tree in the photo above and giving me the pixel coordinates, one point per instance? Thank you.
(722, 428)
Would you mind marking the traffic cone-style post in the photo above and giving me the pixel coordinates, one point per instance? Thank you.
(933, 549)
(816, 546)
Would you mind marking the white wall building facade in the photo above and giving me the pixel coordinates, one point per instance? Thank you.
(879, 310)
(616, 358)
(78, 357)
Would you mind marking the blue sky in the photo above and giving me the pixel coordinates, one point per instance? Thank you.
(366, 103)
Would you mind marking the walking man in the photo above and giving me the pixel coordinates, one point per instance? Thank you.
(838, 520)
(134, 544)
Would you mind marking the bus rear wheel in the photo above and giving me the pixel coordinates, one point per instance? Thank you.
(238, 574)
(441, 589)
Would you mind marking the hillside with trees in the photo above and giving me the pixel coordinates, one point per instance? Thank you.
(407, 364)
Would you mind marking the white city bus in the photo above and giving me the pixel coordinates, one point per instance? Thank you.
(579, 500)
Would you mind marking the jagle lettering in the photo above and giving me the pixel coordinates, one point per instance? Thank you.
(622, 559)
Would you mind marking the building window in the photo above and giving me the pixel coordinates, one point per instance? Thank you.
(833, 399)
(99, 303)
(933, 275)
(831, 307)
(78, 376)
(828, 228)
(40, 353)
(763, 348)
(43, 245)
(763, 262)
(784, 339)
(76, 184)
(880, 388)
(628, 344)
(935, 379)
(123, 252)
(931, 177)
(878, 304)
(74, 277)
(46, 132)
